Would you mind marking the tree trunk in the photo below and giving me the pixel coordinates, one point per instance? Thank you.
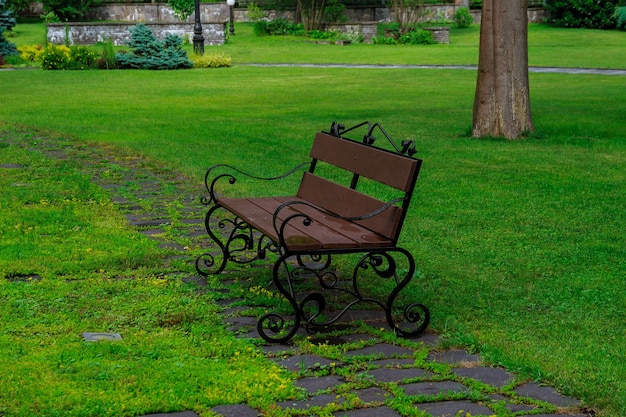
(502, 100)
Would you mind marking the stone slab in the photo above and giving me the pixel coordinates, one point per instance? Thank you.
(187, 413)
(397, 375)
(315, 384)
(393, 362)
(547, 394)
(370, 395)
(237, 410)
(497, 377)
(317, 401)
(433, 388)
(368, 412)
(453, 356)
(452, 408)
(383, 349)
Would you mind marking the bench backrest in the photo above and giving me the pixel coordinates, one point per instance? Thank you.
(389, 168)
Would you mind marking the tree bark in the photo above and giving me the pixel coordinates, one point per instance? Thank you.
(502, 99)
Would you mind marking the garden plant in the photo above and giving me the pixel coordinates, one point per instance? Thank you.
(519, 244)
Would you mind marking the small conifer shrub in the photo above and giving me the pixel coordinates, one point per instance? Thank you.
(148, 52)
(7, 21)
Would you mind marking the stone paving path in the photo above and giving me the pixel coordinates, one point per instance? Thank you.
(418, 375)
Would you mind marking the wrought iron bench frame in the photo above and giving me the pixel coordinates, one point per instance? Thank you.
(322, 220)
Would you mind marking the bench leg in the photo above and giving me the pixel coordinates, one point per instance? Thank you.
(409, 320)
(273, 327)
(237, 246)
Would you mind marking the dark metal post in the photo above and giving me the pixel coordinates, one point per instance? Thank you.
(198, 39)
(231, 5)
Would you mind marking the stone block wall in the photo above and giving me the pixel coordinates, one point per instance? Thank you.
(155, 12)
(91, 33)
(365, 29)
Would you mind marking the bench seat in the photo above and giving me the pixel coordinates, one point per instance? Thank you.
(326, 232)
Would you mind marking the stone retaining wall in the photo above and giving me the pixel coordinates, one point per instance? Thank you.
(154, 12)
(91, 33)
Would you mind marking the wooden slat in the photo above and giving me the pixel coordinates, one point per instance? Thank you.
(261, 220)
(395, 170)
(349, 203)
(363, 237)
(317, 231)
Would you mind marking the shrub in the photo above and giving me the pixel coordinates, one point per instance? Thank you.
(417, 37)
(150, 53)
(255, 13)
(476, 4)
(32, 53)
(107, 56)
(334, 12)
(182, 8)
(82, 58)
(67, 10)
(592, 14)
(6, 22)
(56, 57)
(463, 18)
(211, 61)
(277, 27)
(384, 41)
(620, 16)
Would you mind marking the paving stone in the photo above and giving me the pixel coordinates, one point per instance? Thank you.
(11, 166)
(384, 349)
(397, 375)
(358, 337)
(547, 394)
(452, 408)
(433, 388)
(237, 410)
(393, 362)
(304, 362)
(315, 384)
(175, 414)
(368, 412)
(453, 356)
(428, 339)
(373, 394)
(317, 401)
(557, 415)
(493, 376)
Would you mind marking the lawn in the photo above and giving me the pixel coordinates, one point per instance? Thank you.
(520, 245)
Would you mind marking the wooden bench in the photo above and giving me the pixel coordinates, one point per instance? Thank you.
(323, 219)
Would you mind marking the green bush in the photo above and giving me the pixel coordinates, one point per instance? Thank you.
(182, 8)
(620, 16)
(150, 53)
(386, 40)
(591, 14)
(463, 18)
(83, 57)
(56, 57)
(6, 23)
(277, 27)
(476, 4)
(211, 61)
(107, 56)
(67, 10)
(417, 37)
(31, 53)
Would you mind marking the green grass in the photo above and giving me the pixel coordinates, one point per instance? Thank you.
(520, 245)
(547, 47)
(70, 264)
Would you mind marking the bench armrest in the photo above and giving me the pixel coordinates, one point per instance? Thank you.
(223, 171)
